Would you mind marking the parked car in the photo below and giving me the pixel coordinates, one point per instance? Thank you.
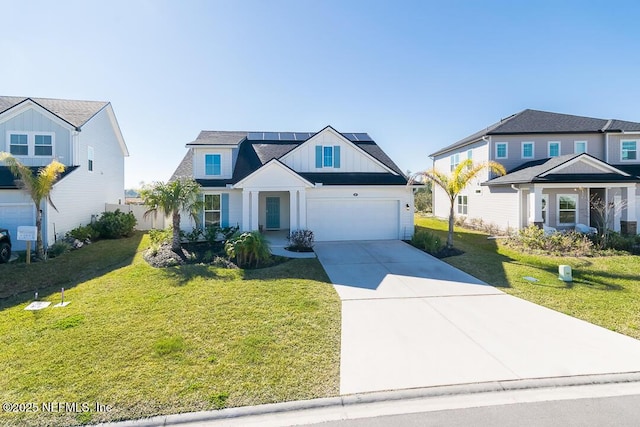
(5, 245)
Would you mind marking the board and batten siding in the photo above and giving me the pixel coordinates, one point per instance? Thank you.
(83, 193)
(226, 162)
(352, 159)
(32, 120)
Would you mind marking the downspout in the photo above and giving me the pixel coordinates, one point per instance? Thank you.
(518, 190)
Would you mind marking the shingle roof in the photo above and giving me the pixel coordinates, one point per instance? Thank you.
(531, 172)
(7, 179)
(541, 122)
(74, 112)
(254, 153)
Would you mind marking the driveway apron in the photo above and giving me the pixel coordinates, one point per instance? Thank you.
(410, 320)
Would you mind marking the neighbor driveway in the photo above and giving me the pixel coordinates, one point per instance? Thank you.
(410, 320)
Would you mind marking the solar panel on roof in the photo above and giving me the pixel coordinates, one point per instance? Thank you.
(286, 136)
(363, 137)
(255, 136)
(271, 136)
(302, 136)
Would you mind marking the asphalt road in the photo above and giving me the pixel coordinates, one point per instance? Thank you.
(618, 411)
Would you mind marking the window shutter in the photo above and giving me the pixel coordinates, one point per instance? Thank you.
(318, 156)
(336, 156)
(224, 210)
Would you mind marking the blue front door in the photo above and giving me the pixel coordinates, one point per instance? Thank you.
(273, 212)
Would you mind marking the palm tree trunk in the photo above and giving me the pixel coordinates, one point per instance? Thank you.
(39, 243)
(175, 242)
(451, 221)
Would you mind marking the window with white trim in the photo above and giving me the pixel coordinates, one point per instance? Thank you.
(628, 150)
(43, 145)
(212, 164)
(554, 148)
(580, 147)
(90, 159)
(455, 161)
(501, 150)
(211, 209)
(527, 150)
(567, 209)
(462, 205)
(18, 144)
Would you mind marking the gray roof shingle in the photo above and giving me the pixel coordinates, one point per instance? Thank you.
(74, 112)
(541, 122)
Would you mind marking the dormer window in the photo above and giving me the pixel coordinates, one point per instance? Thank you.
(212, 164)
(43, 145)
(31, 144)
(327, 156)
(19, 146)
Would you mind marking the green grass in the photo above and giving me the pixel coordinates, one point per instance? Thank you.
(157, 341)
(605, 290)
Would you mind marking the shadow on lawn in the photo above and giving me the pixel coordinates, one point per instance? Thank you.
(20, 281)
(183, 274)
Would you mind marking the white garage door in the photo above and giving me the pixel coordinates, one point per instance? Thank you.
(12, 215)
(353, 219)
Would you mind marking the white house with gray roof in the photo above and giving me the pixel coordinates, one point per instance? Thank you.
(556, 163)
(82, 135)
(342, 186)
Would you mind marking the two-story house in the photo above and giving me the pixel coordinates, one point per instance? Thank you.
(341, 186)
(82, 135)
(556, 164)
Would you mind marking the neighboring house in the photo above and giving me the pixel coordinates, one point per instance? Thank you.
(341, 186)
(555, 164)
(82, 135)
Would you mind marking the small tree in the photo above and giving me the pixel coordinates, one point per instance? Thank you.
(38, 185)
(454, 183)
(180, 195)
(605, 214)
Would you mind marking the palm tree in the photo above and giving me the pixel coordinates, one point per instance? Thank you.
(180, 195)
(454, 183)
(38, 186)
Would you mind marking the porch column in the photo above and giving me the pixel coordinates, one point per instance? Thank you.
(302, 202)
(293, 210)
(246, 209)
(254, 210)
(535, 206)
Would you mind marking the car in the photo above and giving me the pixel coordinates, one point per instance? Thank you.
(5, 245)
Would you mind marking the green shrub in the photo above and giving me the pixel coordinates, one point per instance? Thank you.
(301, 240)
(535, 240)
(83, 233)
(215, 234)
(159, 237)
(58, 248)
(249, 248)
(193, 235)
(427, 241)
(115, 225)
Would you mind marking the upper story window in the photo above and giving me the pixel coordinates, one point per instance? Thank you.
(580, 147)
(90, 159)
(469, 157)
(212, 164)
(501, 150)
(527, 150)
(628, 150)
(554, 148)
(18, 145)
(31, 144)
(327, 156)
(455, 161)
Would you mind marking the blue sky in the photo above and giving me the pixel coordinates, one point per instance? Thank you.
(415, 75)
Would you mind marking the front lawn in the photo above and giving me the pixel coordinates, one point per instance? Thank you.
(151, 341)
(605, 290)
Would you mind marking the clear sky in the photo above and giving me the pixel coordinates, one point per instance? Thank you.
(415, 75)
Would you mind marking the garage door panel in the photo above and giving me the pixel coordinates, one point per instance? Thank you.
(14, 215)
(353, 219)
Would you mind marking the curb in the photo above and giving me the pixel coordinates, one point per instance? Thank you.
(381, 396)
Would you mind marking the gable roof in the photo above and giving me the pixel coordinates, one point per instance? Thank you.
(74, 112)
(545, 170)
(543, 122)
(8, 180)
(256, 149)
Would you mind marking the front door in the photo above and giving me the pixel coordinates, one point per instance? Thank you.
(273, 213)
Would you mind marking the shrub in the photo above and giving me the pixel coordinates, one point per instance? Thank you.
(215, 234)
(83, 233)
(248, 248)
(427, 241)
(58, 248)
(115, 225)
(533, 239)
(194, 235)
(159, 237)
(301, 240)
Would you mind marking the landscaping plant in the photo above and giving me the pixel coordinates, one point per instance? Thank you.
(249, 248)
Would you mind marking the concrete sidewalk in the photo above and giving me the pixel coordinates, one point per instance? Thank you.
(410, 320)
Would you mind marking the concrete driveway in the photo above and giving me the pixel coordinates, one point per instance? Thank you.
(410, 320)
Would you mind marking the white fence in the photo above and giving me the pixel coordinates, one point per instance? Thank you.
(138, 211)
